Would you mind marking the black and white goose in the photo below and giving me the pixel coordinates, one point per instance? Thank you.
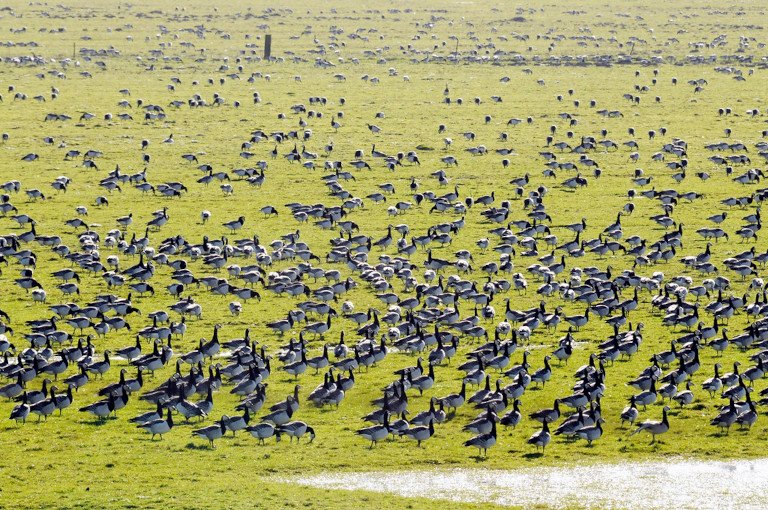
(483, 441)
(655, 427)
(159, 426)
(297, 429)
(211, 432)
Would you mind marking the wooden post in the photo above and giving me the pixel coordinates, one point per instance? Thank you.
(267, 46)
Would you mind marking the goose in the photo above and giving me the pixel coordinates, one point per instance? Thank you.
(159, 426)
(235, 423)
(591, 433)
(754, 373)
(319, 362)
(297, 429)
(211, 432)
(63, 401)
(298, 367)
(455, 400)
(684, 397)
(629, 414)
(235, 224)
(35, 396)
(102, 408)
(547, 415)
(45, 407)
(646, 397)
(77, 380)
(421, 432)
(263, 431)
(655, 427)
(376, 433)
(20, 412)
(483, 441)
(726, 418)
(100, 367)
(732, 378)
(542, 375)
(541, 438)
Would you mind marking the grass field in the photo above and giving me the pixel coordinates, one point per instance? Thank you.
(76, 461)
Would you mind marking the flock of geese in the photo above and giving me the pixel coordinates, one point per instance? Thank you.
(434, 304)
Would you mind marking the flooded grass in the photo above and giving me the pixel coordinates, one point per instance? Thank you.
(674, 483)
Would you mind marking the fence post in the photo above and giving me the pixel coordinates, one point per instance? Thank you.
(267, 46)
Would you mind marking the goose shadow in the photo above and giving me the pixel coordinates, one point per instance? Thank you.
(97, 422)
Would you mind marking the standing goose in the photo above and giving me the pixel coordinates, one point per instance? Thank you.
(102, 408)
(297, 367)
(21, 410)
(159, 426)
(211, 432)
(319, 362)
(420, 433)
(376, 433)
(512, 418)
(45, 407)
(646, 397)
(14, 389)
(541, 438)
(542, 375)
(455, 400)
(629, 414)
(63, 401)
(726, 418)
(713, 384)
(484, 441)
(547, 415)
(591, 433)
(684, 397)
(654, 427)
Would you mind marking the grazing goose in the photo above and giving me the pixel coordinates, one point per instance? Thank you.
(655, 427)
(264, 431)
(297, 429)
(235, 423)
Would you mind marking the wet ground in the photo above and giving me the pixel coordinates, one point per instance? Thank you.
(673, 484)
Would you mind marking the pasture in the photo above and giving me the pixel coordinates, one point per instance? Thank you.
(649, 123)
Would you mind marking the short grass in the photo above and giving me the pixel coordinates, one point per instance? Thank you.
(73, 461)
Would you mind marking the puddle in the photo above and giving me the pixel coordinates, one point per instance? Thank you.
(677, 483)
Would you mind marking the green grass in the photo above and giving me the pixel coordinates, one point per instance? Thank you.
(72, 461)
